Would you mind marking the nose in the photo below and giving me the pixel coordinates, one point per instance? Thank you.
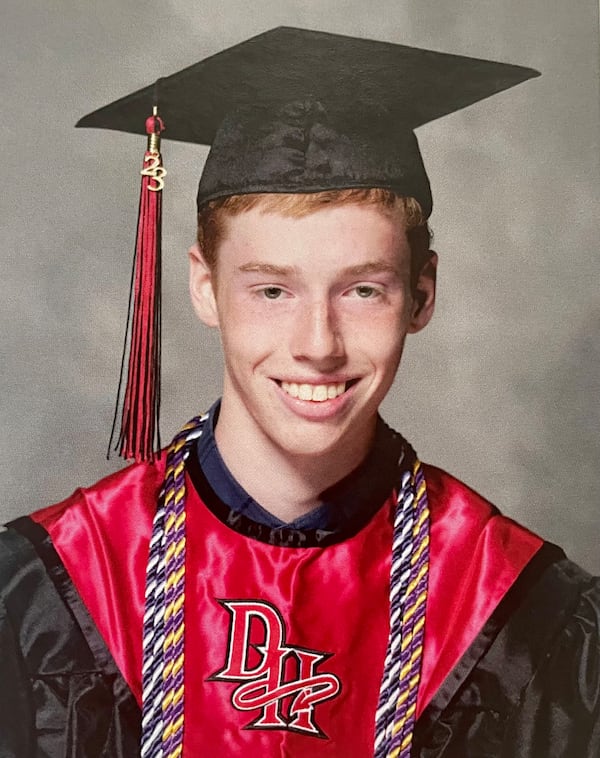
(317, 335)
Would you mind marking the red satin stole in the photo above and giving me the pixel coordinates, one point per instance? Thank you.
(260, 617)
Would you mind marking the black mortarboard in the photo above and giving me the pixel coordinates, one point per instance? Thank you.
(290, 110)
(293, 110)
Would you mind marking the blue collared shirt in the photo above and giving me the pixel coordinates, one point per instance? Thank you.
(338, 505)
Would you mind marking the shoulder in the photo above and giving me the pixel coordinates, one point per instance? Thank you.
(136, 485)
(445, 490)
(572, 599)
(17, 556)
(466, 521)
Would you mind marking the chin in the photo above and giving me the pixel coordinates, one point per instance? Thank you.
(314, 440)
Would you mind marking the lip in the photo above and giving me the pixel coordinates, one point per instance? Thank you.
(316, 380)
(317, 411)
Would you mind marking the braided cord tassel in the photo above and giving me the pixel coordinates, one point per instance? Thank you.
(396, 711)
(400, 574)
(153, 639)
(164, 627)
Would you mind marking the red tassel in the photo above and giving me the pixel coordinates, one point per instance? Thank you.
(139, 437)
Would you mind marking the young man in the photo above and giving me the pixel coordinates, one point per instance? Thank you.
(289, 579)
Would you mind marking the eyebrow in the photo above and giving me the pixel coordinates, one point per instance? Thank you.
(256, 267)
(370, 267)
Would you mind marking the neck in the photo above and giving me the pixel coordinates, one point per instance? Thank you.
(285, 484)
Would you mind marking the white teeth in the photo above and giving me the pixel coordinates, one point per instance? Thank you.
(305, 392)
(315, 392)
(320, 393)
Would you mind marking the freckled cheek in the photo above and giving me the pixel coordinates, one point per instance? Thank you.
(250, 337)
(240, 314)
(381, 344)
(380, 336)
(381, 352)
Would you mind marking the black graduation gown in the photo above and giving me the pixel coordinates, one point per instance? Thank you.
(527, 687)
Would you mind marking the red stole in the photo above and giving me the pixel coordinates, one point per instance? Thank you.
(285, 646)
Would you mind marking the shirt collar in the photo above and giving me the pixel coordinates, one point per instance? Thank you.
(364, 488)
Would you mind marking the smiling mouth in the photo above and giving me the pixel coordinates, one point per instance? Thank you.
(316, 393)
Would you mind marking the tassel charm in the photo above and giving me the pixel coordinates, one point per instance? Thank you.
(139, 437)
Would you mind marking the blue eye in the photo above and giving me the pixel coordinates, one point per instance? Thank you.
(272, 293)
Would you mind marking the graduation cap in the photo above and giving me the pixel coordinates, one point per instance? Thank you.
(289, 111)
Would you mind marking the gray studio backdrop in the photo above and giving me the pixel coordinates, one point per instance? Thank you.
(501, 389)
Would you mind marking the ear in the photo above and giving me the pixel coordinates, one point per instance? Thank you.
(424, 296)
(202, 287)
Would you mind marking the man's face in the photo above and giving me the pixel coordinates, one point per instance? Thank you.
(313, 314)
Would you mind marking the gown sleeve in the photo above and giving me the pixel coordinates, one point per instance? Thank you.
(16, 713)
(559, 714)
(529, 686)
(61, 693)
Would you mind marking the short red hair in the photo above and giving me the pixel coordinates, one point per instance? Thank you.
(212, 215)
